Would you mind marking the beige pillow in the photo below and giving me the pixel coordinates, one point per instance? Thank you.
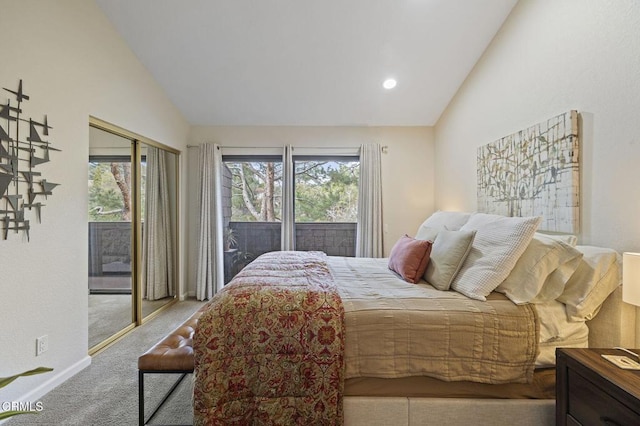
(542, 271)
(557, 280)
(597, 276)
(449, 250)
(427, 233)
(452, 221)
(497, 246)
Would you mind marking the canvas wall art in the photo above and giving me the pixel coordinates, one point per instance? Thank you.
(534, 172)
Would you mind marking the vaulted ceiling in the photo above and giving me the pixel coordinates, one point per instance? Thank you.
(308, 62)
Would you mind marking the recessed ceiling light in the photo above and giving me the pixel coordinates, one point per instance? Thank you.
(389, 83)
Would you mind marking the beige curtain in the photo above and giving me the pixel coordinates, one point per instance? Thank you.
(210, 265)
(158, 276)
(369, 230)
(288, 231)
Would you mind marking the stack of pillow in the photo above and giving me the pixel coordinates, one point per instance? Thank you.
(476, 253)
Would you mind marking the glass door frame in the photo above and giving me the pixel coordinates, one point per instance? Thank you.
(136, 222)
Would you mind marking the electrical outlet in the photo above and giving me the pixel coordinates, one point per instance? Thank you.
(42, 345)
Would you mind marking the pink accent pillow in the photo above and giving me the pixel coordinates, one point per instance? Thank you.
(409, 258)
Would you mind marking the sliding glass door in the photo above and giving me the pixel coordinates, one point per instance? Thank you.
(326, 203)
(110, 248)
(133, 217)
(325, 206)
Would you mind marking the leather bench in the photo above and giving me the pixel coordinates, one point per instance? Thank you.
(171, 355)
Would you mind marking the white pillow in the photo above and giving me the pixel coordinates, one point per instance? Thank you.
(541, 272)
(497, 246)
(597, 276)
(452, 221)
(570, 239)
(449, 250)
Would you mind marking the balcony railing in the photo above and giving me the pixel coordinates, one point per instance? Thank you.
(109, 248)
(110, 243)
(256, 238)
(335, 239)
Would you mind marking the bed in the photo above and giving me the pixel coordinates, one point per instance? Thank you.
(304, 338)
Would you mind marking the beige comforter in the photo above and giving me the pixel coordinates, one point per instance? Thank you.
(396, 329)
(273, 348)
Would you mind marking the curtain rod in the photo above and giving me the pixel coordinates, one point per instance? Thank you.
(383, 148)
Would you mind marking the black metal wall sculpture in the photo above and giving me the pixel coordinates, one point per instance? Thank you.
(20, 185)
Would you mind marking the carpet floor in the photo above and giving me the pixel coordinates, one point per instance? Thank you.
(110, 313)
(106, 392)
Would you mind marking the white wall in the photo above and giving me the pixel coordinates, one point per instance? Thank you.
(73, 65)
(549, 57)
(407, 168)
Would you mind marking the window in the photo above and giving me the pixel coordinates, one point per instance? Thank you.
(325, 206)
(326, 189)
(255, 188)
(252, 200)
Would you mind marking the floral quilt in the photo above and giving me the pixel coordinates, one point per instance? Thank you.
(269, 349)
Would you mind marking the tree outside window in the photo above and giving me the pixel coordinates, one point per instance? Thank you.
(326, 190)
(110, 187)
(256, 190)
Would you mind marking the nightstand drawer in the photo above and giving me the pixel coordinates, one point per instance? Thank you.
(589, 405)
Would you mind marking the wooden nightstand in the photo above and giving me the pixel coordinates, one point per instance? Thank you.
(592, 391)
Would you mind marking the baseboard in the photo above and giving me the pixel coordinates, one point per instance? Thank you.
(40, 391)
(56, 380)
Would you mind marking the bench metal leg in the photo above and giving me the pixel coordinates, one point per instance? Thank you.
(141, 421)
(141, 373)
